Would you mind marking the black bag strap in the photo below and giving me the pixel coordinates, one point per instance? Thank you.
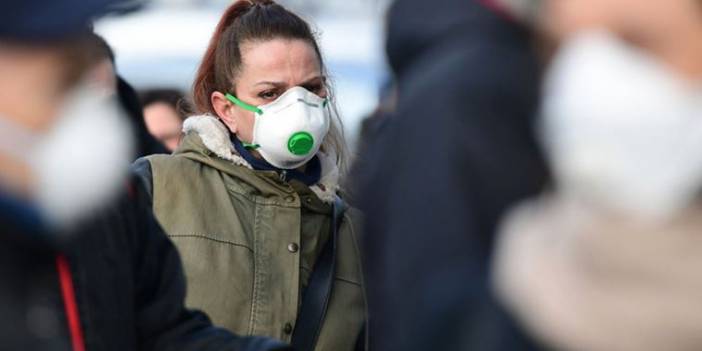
(316, 296)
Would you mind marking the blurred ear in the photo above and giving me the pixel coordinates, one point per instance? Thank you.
(225, 110)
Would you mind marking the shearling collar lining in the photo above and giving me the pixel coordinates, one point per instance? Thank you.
(215, 137)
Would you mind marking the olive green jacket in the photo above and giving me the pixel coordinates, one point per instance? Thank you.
(249, 240)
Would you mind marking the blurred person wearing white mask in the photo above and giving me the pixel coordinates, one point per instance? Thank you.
(609, 260)
(83, 264)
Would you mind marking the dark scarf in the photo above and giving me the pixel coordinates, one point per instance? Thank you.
(311, 175)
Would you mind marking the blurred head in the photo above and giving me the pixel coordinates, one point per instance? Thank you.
(162, 116)
(34, 79)
(259, 51)
(622, 105)
(61, 136)
(64, 144)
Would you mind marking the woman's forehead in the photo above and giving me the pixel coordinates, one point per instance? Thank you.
(279, 60)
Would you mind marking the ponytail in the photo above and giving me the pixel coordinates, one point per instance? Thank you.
(205, 78)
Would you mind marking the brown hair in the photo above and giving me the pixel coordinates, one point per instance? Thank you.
(256, 20)
(245, 20)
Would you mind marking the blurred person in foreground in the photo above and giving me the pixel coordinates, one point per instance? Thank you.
(83, 263)
(456, 153)
(610, 258)
(251, 197)
(162, 115)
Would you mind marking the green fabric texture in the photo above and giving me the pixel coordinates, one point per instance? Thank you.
(249, 242)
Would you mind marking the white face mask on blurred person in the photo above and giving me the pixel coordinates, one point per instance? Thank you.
(80, 162)
(623, 131)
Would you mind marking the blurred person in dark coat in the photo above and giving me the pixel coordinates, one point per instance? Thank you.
(83, 264)
(457, 152)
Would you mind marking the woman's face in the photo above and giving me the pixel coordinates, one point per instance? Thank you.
(269, 69)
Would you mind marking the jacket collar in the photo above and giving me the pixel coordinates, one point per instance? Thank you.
(216, 139)
(311, 175)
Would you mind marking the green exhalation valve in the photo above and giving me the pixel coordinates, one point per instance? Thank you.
(300, 143)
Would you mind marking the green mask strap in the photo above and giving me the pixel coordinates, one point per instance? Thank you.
(250, 146)
(243, 105)
(247, 107)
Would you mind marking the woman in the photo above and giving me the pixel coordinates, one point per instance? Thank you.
(247, 197)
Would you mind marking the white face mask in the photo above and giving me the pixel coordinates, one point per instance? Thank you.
(289, 131)
(80, 162)
(622, 130)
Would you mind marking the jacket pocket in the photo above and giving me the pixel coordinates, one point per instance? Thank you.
(219, 274)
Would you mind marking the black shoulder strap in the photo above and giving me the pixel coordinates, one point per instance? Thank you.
(316, 296)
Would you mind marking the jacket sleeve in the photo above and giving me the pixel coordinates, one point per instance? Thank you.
(163, 322)
(141, 168)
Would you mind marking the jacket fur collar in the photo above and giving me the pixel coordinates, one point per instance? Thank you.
(215, 137)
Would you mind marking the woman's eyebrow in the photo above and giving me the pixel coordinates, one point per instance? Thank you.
(283, 84)
(275, 84)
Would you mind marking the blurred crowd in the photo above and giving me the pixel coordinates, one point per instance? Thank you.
(529, 180)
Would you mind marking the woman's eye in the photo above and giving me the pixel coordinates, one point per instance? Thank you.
(268, 95)
(317, 89)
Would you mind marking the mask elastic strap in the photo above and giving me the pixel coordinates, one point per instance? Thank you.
(247, 107)
(243, 105)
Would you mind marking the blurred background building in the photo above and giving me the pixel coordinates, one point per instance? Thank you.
(162, 44)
